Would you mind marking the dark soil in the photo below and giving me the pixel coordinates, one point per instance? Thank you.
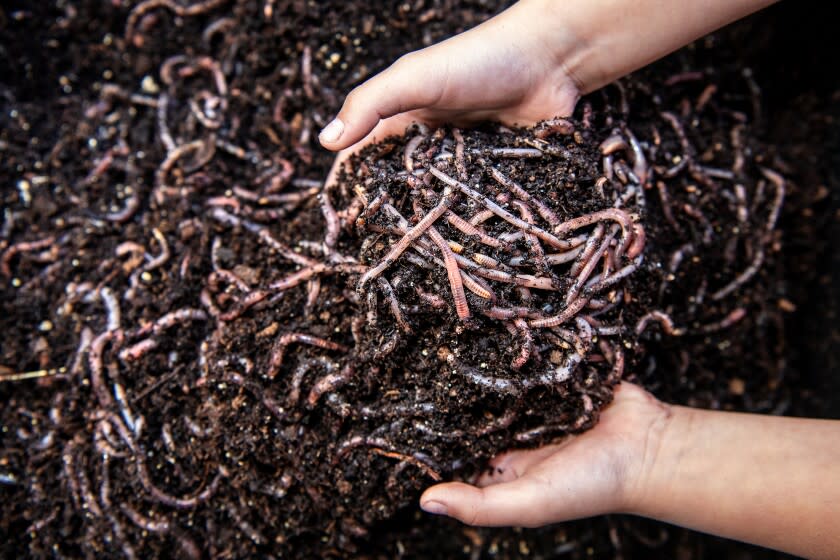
(164, 238)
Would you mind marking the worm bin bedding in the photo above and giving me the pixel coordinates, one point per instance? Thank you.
(207, 352)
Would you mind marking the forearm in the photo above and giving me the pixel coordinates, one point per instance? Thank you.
(602, 40)
(766, 480)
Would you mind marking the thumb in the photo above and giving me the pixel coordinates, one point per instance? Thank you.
(521, 503)
(404, 86)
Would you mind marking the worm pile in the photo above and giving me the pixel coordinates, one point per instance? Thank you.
(207, 350)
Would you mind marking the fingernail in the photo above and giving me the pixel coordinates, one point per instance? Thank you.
(332, 132)
(437, 508)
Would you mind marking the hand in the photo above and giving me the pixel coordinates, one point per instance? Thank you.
(505, 70)
(600, 471)
(529, 63)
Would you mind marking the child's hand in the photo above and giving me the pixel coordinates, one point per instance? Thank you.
(597, 472)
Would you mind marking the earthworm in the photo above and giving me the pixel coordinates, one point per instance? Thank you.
(22, 247)
(674, 121)
(279, 180)
(97, 368)
(172, 501)
(638, 244)
(197, 430)
(453, 273)
(588, 250)
(526, 280)
(88, 500)
(688, 76)
(481, 217)
(607, 167)
(460, 164)
(418, 460)
(403, 244)
(313, 292)
(432, 299)
(221, 25)
(662, 188)
(501, 212)
(640, 167)
(742, 212)
(615, 214)
(544, 211)
(279, 349)
(755, 93)
(132, 204)
(517, 153)
(663, 319)
(725, 174)
(613, 279)
(612, 144)
(617, 371)
(136, 351)
(333, 224)
(568, 312)
(372, 208)
(297, 379)
(497, 384)
(697, 214)
(112, 308)
(552, 258)
(329, 383)
(507, 313)
(743, 277)
(207, 301)
(394, 305)
(470, 230)
(533, 241)
(306, 72)
(534, 433)
(427, 430)
(143, 522)
(194, 9)
(527, 344)
(298, 277)
(163, 126)
(558, 125)
(85, 338)
(738, 148)
(731, 318)
(778, 182)
(411, 147)
(175, 318)
(205, 151)
(588, 268)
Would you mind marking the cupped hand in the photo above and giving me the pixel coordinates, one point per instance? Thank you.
(503, 70)
(600, 471)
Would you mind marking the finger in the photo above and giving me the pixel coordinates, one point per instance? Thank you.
(404, 86)
(521, 503)
(514, 464)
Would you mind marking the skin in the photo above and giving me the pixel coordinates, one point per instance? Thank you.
(770, 481)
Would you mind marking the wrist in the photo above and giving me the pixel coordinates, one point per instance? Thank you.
(659, 448)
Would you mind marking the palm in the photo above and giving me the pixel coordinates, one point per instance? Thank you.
(584, 475)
